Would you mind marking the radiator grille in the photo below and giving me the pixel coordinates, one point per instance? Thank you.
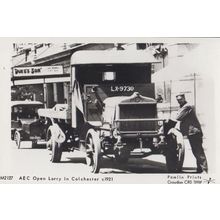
(136, 112)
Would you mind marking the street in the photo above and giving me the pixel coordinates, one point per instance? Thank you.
(37, 160)
(76, 88)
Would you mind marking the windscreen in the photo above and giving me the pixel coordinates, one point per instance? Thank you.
(119, 73)
(25, 111)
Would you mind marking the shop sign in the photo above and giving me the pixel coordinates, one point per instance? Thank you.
(37, 71)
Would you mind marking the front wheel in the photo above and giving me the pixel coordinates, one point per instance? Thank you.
(93, 152)
(12, 135)
(17, 138)
(174, 155)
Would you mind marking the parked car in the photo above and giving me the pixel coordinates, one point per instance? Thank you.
(25, 123)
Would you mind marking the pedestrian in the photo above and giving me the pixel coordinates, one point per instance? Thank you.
(159, 98)
(190, 127)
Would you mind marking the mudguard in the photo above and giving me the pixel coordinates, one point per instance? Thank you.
(178, 135)
(94, 134)
(57, 133)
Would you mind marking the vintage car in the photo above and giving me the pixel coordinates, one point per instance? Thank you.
(112, 112)
(25, 123)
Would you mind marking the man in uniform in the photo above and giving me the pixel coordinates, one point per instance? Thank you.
(190, 127)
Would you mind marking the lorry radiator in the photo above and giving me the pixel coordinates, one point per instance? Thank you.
(36, 129)
(136, 115)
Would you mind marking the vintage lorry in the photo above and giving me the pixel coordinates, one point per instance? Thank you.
(112, 112)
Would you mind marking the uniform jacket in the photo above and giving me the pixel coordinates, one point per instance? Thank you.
(189, 123)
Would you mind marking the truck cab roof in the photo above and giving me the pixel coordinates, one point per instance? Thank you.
(112, 57)
(25, 102)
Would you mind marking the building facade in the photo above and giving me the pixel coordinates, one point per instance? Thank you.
(52, 85)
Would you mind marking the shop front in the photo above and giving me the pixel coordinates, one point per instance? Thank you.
(47, 84)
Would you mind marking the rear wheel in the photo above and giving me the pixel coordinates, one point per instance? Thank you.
(93, 152)
(17, 138)
(56, 152)
(174, 155)
(55, 147)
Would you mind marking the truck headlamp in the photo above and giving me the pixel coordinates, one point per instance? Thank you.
(160, 123)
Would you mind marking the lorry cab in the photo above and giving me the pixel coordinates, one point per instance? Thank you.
(104, 74)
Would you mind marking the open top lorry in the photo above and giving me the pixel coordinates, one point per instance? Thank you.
(112, 111)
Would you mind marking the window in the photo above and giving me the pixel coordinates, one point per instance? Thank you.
(108, 76)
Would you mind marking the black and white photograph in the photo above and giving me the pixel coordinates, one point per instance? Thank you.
(116, 111)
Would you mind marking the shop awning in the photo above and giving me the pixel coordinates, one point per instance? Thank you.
(41, 81)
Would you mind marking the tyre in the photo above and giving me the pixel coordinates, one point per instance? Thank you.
(17, 138)
(181, 156)
(93, 152)
(55, 147)
(174, 155)
(56, 152)
(12, 135)
(48, 140)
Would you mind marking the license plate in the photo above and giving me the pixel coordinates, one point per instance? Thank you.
(35, 138)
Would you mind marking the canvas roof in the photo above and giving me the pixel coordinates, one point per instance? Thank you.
(25, 102)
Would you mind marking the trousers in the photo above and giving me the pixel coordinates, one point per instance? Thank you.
(198, 151)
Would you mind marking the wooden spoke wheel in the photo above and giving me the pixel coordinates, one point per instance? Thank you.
(49, 140)
(55, 147)
(56, 152)
(175, 155)
(93, 152)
